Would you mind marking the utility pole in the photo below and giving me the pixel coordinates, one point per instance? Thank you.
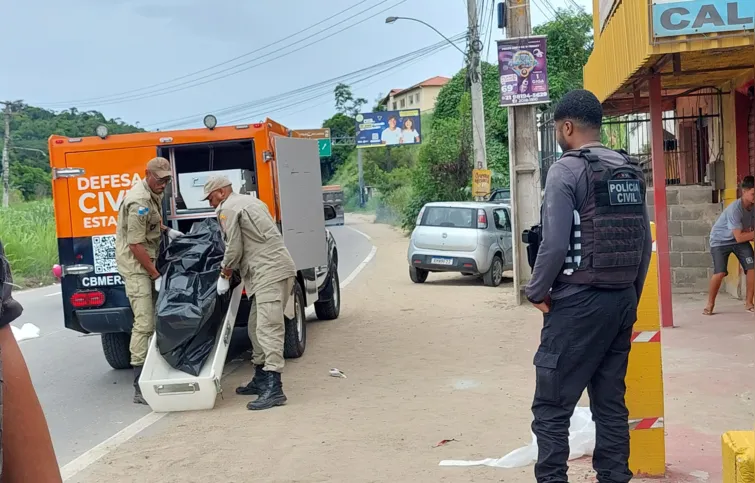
(360, 169)
(524, 159)
(475, 77)
(6, 160)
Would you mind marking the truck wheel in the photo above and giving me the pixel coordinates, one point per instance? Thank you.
(115, 347)
(331, 307)
(418, 275)
(296, 328)
(494, 276)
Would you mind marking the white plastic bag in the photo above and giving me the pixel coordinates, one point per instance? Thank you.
(581, 443)
(27, 331)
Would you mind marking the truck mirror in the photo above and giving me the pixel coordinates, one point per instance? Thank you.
(330, 212)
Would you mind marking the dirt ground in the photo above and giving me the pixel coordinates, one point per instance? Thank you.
(450, 359)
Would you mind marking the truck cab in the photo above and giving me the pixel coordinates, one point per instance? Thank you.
(92, 175)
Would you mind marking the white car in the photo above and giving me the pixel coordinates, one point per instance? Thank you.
(473, 238)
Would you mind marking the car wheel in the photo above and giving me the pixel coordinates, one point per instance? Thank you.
(115, 347)
(494, 276)
(330, 308)
(296, 329)
(418, 275)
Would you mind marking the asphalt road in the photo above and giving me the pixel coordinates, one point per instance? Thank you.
(86, 401)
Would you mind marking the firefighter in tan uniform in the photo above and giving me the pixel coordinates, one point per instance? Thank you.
(137, 245)
(254, 246)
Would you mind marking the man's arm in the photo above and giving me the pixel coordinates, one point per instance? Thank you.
(734, 223)
(234, 246)
(647, 249)
(559, 204)
(28, 454)
(136, 236)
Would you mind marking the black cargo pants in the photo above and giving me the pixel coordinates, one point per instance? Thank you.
(584, 343)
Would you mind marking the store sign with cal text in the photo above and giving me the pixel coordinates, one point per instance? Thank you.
(692, 17)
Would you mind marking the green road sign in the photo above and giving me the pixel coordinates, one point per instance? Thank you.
(326, 147)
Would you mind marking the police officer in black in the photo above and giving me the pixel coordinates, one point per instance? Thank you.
(587, 279)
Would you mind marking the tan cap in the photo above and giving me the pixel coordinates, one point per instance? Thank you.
(160, 167)
(215, 183)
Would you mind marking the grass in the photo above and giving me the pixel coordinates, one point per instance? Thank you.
(27, 231)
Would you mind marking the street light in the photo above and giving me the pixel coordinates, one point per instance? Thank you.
(393, 20)
(29, 149)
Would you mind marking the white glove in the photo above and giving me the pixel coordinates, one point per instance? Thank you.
(223, 286)
(158, 283)
(173, 234)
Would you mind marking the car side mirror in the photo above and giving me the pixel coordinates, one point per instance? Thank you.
(330, 212)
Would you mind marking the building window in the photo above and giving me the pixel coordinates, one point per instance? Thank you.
(394, 105)
(411, 99)
(417, 97)
(403, 103)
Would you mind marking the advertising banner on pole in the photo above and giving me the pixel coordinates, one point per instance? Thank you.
(523, 71)
(388, 128)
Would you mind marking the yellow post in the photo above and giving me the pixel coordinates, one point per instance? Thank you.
(645, 382)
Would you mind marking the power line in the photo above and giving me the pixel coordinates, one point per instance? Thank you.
(375, 77)
(547, 15)
(303, 90)
(90, 99)
(321, 88)
(193, 83)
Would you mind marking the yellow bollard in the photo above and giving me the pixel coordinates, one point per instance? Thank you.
(738, 452)
(644, 382)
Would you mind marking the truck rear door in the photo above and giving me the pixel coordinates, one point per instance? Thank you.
(94, 198)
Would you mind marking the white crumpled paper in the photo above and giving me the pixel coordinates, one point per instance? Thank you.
(581, 443)
(27, 331)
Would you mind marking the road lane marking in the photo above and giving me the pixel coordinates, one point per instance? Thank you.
(53, 294)
(360, 232)
(91, 456)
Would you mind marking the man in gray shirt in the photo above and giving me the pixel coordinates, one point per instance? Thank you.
(587, 280)
(733, 233)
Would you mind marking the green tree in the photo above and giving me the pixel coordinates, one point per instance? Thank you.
(570, 42)
(30, 129)
(346, 103)
(444, 167)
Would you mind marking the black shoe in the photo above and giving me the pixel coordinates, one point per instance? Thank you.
(138, 398)
(256, 385)
(272, 395)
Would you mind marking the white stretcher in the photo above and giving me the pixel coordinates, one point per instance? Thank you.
(167, 389)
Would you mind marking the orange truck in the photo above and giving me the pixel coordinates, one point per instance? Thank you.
(91, 176)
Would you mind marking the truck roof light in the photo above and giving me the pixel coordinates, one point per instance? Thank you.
(210, 121)
(101, 131)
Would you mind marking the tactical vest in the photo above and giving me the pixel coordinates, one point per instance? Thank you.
(612, 223)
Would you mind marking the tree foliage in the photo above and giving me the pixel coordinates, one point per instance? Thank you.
(346, 103)
(444, 167)
(30, 129)
(570, 42)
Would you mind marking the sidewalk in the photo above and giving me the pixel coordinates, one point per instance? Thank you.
(450, 359)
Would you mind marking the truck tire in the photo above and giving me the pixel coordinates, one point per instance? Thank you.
(418, 275)
(493, 277)
(331, 307)
(115, 347)
(296, 329)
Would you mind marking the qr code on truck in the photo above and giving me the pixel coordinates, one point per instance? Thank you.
(103, 251)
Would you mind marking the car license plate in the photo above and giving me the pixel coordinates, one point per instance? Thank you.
(442, 261)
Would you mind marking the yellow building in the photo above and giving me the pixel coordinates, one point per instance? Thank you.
(682, 69)
(420, 96)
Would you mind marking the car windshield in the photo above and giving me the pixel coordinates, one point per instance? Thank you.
(449, 216)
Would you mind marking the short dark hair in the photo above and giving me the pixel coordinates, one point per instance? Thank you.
(748, 183)
(580, 106)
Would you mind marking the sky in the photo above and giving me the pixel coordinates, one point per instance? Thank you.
(152, 62)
